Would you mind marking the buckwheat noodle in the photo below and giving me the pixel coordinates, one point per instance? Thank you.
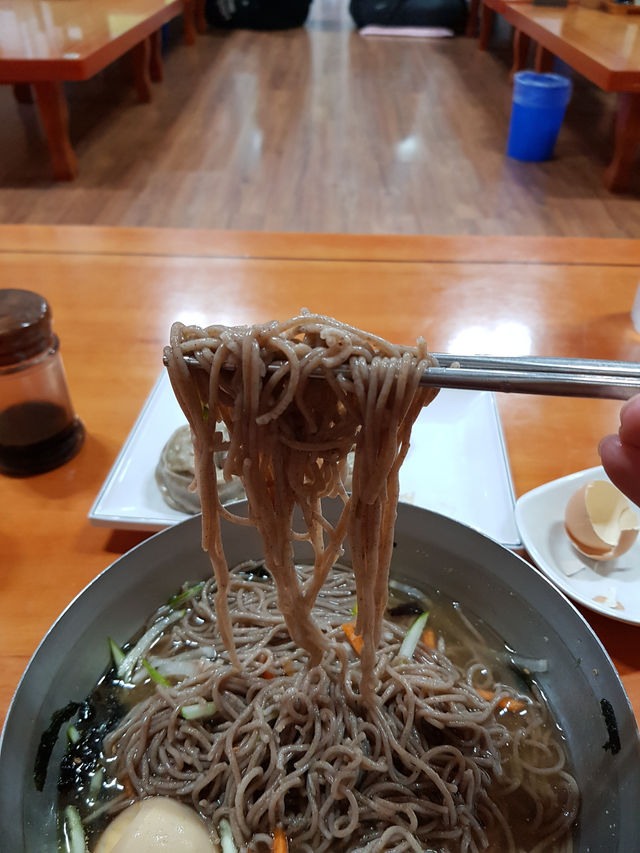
(290, 433)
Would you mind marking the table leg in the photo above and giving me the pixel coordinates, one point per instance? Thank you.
(521, 45)
(156, 69)
(142, 81)
(544, 61)
(201, 19)
(188, 17)
(54, 114)
(472, 18)
(627, 140)
(22, 93)
(486, 26)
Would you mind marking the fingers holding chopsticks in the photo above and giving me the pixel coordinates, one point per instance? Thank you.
(620, 453)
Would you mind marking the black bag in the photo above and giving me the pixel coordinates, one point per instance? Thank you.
(451, 14)
(258, 14)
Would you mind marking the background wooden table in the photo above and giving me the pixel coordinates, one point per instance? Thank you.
(46, 42)
(115, 292)
(603, 47)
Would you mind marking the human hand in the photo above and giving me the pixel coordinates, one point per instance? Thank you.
(620, 453)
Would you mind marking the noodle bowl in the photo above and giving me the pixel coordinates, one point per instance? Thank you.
(285, 700)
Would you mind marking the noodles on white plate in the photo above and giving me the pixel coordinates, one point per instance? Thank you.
(291, 698)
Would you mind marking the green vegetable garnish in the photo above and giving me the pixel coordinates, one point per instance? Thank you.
(73, 735)
(155, 675)
(130, 660)
(175, 600)
(74, 833)
(412, 637)
(116, 653)
(226, 838)
(198, 711)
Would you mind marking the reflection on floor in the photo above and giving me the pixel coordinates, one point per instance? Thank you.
(316, 129)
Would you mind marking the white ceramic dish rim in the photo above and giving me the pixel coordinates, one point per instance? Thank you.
(531, 537)
(129, 499)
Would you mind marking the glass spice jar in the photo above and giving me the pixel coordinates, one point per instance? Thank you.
(39, 429)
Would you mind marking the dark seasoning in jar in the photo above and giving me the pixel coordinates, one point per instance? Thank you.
(39, 429)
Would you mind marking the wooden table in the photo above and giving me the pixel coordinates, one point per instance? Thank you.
(115, 292)
(603, 47)
(521, 42)
(46, 42)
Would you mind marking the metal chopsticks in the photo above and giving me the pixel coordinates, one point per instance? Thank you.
(564, 377)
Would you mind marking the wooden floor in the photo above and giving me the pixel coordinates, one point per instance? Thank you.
(316, 129)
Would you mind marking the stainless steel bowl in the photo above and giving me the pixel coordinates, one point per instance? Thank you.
(432, 551)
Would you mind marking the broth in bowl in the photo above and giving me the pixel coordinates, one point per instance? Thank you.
(459, 753)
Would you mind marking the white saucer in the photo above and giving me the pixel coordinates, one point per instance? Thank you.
(540, 519)
(457, 465)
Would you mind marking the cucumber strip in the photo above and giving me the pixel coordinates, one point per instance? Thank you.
(154, 674)
(412, 637)
(116, 652)
(226, 839)
(73, 735)
(198, 711)
(96, 783)
(145, 642)
(183, 596)
(74, 833)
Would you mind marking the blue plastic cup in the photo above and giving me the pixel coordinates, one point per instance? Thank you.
(539, 104)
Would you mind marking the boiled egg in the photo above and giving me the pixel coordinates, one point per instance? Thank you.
(600, 522)
(156, 824)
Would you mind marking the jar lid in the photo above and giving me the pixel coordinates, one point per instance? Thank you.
(25, 325)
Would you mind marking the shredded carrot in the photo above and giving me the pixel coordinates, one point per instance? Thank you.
(267, 675)
(355, 639)
(279, 841)
(429, 638)
(514, 705)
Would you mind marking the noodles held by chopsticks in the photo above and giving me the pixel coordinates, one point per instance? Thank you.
(290, 433)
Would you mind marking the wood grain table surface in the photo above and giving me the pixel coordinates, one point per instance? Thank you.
(46, 42)
(603, 47)
(70, 40)
(114, 293)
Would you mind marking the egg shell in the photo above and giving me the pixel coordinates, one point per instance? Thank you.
(156, 824)
(600, 522)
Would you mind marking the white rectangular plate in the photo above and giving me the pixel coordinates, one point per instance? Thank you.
(457, 466)
(540, 519)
